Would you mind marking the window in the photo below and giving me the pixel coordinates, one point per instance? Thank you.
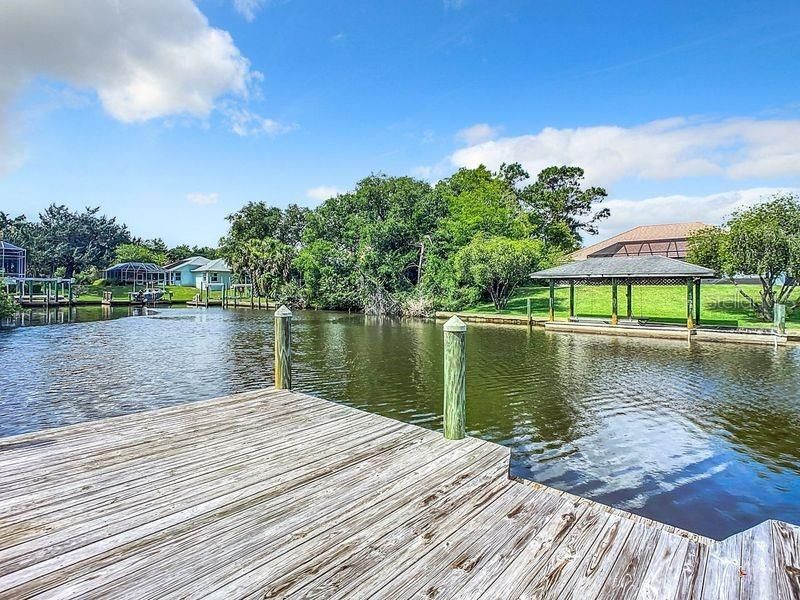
(214, 277)
(176, 276)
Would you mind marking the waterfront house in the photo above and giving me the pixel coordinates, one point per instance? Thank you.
(646, 240)
(182, 272)
(215, 273)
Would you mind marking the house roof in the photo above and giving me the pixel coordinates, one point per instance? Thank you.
(669, 231)
(192, 261)
(625, 267)
(219, 266)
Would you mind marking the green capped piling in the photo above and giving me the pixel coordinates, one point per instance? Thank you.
(455, 369)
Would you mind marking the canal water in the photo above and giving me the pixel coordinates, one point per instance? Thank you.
(704, 437)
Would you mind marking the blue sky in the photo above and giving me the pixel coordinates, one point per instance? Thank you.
(171, 117)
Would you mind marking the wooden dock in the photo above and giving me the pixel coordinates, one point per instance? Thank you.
(276, 494)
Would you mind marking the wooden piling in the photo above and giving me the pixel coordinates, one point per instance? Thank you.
(455, 368)
(629, 300)
(551, 313)
(528, 311)
(689, 303)
(697, 302)
(571, 299)
(614, 303)
(779, 318)
(283, 348)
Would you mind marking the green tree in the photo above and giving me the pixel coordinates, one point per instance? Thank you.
(763, 240)
(497, 265)
(72, 241)
(266, 262)
(179, 252)
(139, 253)
(7, 306)
(558, 207)
(478, 202)
(254, 221)
(370, 245)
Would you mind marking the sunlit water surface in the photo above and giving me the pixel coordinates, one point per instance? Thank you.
(705, 437)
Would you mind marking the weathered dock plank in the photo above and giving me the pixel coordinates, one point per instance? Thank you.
(275, 494)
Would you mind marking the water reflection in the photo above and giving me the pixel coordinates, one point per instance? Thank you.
(704, 437)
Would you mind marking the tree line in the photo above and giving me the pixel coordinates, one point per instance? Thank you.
(399, 245)
(81, 244)
(392, 245)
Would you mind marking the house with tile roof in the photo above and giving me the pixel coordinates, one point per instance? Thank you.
(668, 240)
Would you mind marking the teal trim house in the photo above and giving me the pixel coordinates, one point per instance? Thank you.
(182, 272)
(215, 273)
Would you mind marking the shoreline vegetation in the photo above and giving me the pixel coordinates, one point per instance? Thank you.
(401, 246)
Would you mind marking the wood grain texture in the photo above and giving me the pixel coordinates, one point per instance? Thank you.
(276, 494)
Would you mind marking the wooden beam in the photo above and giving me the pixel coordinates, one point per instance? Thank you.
(689, 303)
(551, 312)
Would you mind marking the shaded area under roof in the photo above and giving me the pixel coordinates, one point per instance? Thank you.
(625, 267)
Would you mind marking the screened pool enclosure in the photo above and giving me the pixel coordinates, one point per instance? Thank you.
(136, 273)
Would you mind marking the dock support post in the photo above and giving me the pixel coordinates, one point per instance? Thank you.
(779, 318)
(252, 300)
(571, 299)
(528, 311)
(697, 302)
(689, 303)
(455, 369)
(614, 303)
(629, 300)
(551, 313)
(283, 348)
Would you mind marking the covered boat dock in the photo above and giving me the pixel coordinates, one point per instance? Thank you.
(628, 271)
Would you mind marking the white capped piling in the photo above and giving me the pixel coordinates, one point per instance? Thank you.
(455, 368)
(283, 348)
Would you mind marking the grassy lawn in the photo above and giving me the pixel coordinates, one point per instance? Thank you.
(721, 304)
(120, 292)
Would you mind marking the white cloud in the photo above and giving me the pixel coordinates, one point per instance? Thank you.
(422, 171)
(339, 37)
(322, 192)
(712, 209)
(248, 8)
(201, 199)
(667, 149)
(478, 133)
(143, 58)
(454, 4)
(243, 122)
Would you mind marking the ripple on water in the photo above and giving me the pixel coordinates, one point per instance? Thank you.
(706, 438)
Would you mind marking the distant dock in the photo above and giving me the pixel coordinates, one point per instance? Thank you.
(277, 494)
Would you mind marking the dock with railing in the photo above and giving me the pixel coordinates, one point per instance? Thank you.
(276, 494)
